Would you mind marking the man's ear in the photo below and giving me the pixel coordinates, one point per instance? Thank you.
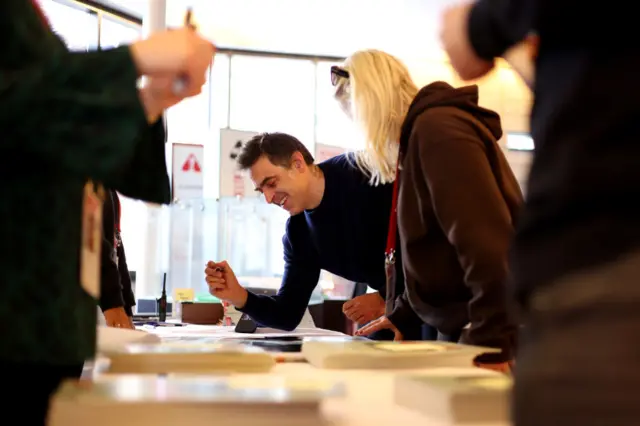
(297, 162)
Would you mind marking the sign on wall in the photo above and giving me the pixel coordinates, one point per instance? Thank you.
(233, 182)
(187, 171)
(325, 152)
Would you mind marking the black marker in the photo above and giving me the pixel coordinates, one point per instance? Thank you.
(162, 302)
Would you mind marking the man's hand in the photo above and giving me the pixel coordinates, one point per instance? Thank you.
(117, 317)
(365, 308)
(175, 53)
(381, 323)
(224, 285)
(158, 95)
(454, 35)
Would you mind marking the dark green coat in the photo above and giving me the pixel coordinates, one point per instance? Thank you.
(65, 118)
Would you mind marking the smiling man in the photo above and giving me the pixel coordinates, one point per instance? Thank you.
(338, 223)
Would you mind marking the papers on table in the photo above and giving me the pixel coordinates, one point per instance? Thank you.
(194, 401)
(109, 338)
(477, 396)
(168, 358)
(192, 349)
(359, 354)
(211, 334)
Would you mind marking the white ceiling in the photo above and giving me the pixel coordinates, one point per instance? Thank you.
(407, 28)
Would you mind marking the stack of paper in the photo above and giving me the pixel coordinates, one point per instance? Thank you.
(110, 338)
(358, 354)
(480, 398)
(188, 358)
(170, 401)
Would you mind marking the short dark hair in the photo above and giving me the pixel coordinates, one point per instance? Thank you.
(277, 147)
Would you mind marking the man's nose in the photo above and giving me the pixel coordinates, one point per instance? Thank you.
(268, 195)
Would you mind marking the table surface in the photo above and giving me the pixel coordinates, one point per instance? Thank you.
(369, 398)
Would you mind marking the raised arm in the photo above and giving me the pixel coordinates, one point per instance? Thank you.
(285, 310)
(496, 25)
(82, 113)
(79, 111)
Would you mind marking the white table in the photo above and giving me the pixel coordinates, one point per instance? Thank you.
(369, 399)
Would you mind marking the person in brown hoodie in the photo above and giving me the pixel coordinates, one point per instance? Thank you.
(457, 201)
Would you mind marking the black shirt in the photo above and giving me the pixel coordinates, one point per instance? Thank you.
(345, 235)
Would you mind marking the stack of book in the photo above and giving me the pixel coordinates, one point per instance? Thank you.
(174, 400)
(367, 354)
(481, 398)
(109, 338)
(168, 358)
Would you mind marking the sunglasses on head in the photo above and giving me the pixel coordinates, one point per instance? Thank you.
(337, 73)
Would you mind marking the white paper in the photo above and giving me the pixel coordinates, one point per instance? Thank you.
(216, 333)
(110, 338)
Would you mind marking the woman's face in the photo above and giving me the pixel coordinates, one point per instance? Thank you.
(343, 96)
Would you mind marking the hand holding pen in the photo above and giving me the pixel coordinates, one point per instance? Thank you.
(167, 58)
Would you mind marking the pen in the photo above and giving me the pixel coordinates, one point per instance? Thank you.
(180, 84)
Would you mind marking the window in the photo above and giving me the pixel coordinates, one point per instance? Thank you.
(219, 119)
(77, 27)
(333, 127)
(115, 33)
(198, 120)
(273, 94)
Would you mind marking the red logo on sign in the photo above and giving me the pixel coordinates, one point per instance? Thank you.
(238, 185)
(191, 163)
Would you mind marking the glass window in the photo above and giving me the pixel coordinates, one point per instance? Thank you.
(219, 119)
(188, 121)
(77, 27)
(273, 94)
(333, 127)
(199, 120)
(115, 33)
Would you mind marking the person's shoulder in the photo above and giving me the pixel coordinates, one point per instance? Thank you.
(439, 125)
(344, 168)
(339, 164)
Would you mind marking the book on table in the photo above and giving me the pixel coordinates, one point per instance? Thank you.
(482, 397)
(368, 354)
(176, 357)
(128, 400)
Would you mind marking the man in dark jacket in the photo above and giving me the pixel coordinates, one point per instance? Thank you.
(576, 257)
(116, 297)
(338, 223)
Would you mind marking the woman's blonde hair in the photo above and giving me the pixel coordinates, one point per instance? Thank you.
(379, 91)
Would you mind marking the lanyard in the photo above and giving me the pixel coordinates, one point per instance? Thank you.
(116, 200)
(40, 13)
(390, 252)
(116, 222)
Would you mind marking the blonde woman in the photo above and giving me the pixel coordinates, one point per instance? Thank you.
(457, 200)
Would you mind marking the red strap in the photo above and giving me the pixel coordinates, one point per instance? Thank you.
(38, 9)
(116, 236)
(393, 217)
(117, 200)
